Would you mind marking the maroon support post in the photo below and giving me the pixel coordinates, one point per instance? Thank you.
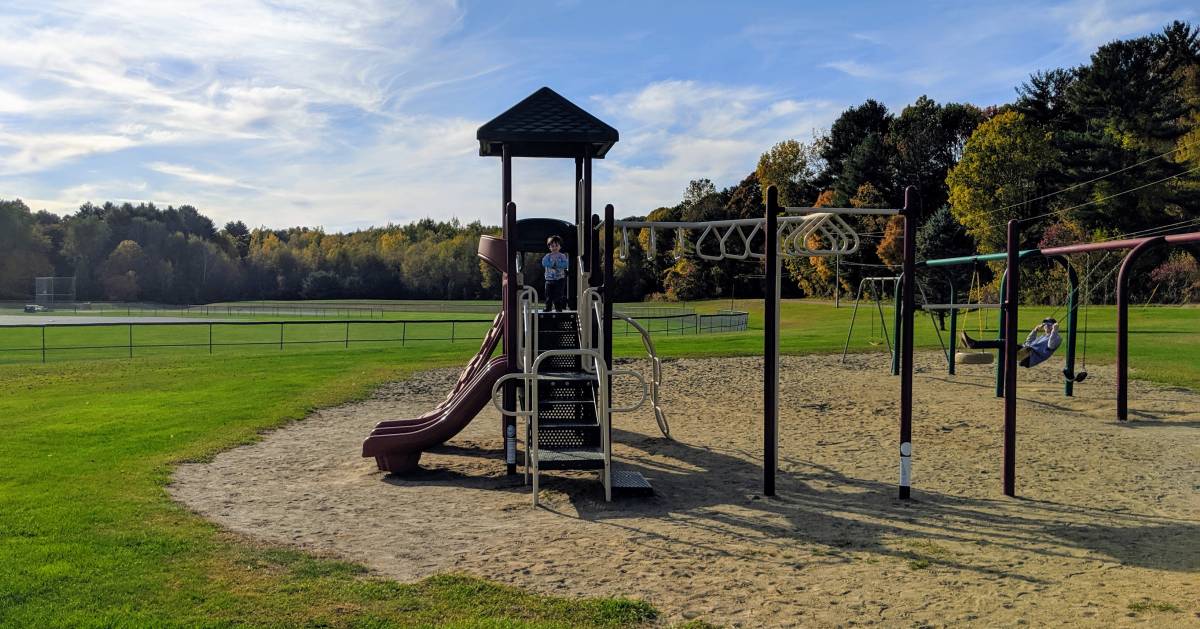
(509, 423)
(1123, 324)
(771, 344)
(1010, 357)
(907, 305)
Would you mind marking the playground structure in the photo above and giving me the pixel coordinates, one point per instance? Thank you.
(556, 369)
(556, 372)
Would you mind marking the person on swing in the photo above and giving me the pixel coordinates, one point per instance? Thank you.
(1040, 345)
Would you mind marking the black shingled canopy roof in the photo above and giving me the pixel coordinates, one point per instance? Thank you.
(546, 125)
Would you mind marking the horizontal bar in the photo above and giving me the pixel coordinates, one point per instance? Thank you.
(731, 222)
(852, 211)
(1111, 245)
(222, 322)
(960, 306)
(986, 257)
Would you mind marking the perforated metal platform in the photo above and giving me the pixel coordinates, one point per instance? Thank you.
(570, 460)
(630, 483)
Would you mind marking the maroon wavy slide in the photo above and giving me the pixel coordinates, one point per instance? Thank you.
(397, 444)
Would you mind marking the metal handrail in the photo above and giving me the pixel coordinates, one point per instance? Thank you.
(655, 372)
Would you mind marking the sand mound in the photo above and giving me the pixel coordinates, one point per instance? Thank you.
(1109, 513)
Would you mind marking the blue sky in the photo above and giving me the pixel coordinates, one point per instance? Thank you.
(350, 114)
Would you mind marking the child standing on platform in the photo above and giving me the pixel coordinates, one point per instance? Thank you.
(555, 264)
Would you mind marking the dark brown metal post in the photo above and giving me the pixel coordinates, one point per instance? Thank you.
(608, 293)
(588, 254)
(771, 344)
(1123, 324)
(509, 284)
(907, 303)
(1012, 294)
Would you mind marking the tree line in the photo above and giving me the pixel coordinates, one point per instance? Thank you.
(1105, 149)
(141, 252)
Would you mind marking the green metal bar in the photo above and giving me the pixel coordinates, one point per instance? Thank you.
(953, 329)
(987, 257)
(1072, 320)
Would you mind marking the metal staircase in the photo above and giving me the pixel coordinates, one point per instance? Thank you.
(563, 394)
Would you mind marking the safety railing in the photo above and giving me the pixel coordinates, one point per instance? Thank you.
(655, 374)
(604, 409)
(101, 339)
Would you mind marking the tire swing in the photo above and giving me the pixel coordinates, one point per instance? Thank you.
(976, 357)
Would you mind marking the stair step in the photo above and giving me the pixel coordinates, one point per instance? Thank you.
(552, 412)
(582, 459)
(572, 375)
(630, 483)
(568, 437)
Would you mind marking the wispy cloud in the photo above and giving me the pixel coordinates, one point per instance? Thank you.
(1092, 23)
(683, 130)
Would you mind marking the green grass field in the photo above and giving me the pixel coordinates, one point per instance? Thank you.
(89, 536)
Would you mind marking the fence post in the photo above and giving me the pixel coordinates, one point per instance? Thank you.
(43, 343)
(451, 331)
(280, 335)
(347, 335)
(131, 340)
(403, 332)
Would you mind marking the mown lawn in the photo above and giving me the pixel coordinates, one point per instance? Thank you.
(89, 537)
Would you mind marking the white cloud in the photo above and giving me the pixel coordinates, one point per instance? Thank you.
(191, 174)
(1092, 23)
(853, 68)
(683, 130)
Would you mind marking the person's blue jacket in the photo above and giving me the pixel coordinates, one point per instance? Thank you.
(1042, 347)
(556, 265)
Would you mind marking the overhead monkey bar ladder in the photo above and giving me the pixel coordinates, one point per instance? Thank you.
(816, 234)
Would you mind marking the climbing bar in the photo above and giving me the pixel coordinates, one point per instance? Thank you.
(804, 235)
(846, 211)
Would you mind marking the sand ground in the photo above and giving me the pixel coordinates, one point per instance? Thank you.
(1106, 530)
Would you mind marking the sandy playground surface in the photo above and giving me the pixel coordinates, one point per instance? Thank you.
(1106, 531)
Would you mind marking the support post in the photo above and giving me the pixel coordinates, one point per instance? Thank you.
(1011, 297)
(511, 350)
(608, 292)
(131, 340)
(1072, 320)
(771, 344)
(210, 338)
(43, 343)
(953, 331)
(905, 345)
(1123, 324)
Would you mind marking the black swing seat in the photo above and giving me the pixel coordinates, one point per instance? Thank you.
(1074, 377)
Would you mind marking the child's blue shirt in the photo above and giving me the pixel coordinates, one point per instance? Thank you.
(556, 266)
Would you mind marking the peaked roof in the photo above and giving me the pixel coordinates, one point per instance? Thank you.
(546, 125)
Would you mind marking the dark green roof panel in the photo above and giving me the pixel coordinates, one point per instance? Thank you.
(546, 125)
